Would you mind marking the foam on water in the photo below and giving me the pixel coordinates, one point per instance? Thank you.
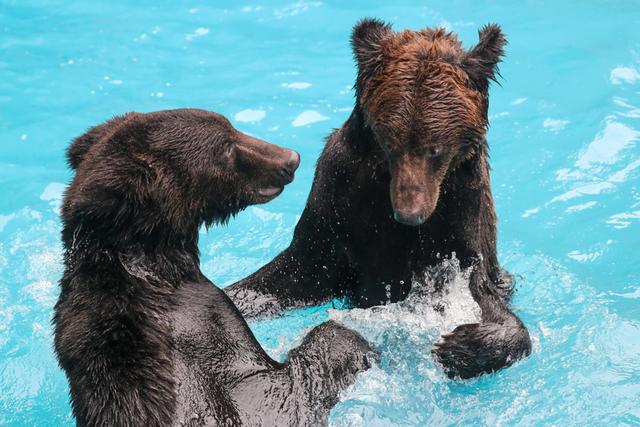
(425, 309)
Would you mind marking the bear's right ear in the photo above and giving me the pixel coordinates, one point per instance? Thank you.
(367, 41)
(82, 144)
(79, 147)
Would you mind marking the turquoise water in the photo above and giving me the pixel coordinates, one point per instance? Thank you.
(565, 139)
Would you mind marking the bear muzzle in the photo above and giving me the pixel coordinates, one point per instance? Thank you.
(416, 217)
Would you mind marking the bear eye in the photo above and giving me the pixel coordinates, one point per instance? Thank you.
(434, 151)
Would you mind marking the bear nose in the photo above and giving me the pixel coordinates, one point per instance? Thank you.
(291, 164)
(414, 218)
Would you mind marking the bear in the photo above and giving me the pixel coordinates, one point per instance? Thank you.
(402, 185)
(144, 338)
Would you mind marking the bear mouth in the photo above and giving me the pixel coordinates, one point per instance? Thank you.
(266, 194)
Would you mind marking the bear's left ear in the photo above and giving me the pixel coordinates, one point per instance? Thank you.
(481, 62)
(367, 41)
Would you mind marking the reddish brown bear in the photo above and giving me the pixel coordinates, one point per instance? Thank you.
(404, 182)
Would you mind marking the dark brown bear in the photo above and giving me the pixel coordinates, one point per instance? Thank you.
(402, 184)
(144, 338)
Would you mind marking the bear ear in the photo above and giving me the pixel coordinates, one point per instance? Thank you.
(82, 144)
(481, 62)
(367, 41)
(78, 149)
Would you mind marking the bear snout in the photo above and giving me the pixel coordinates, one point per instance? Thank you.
(413, 200)
(415, 217)
(291, 165)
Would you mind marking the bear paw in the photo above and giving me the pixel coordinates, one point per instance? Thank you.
(478, 348)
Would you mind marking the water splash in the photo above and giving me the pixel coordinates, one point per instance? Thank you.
(430, 307)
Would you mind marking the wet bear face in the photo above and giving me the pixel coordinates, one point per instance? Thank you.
(170, 170)
(230, 169)
(425, 100)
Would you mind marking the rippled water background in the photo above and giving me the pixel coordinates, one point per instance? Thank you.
(565, 140)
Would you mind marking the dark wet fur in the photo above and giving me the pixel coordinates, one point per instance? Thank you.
(414, 147)
(144, 337)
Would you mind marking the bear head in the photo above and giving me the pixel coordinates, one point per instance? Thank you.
(425, 100)
(154, 177)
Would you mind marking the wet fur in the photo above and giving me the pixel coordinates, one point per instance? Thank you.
(144, 338)
(418, 93)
